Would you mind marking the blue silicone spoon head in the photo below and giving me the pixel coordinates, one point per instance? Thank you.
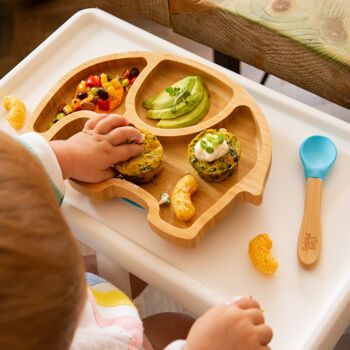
(318, 154)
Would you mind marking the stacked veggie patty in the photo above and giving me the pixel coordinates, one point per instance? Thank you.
(221, 168)
(147, 165)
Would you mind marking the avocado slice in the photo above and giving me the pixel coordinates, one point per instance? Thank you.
(190, 118)
(195, 96)
(164, 100)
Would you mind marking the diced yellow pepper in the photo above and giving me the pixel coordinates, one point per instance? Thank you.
(115, 83)
(104, 78)
(106, 85)
(81, 86)
(68, 109)
(112, 92)
(89, 98)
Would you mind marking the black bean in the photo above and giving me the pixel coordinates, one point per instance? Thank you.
(102, 94)
(134, 73)
(82, 95)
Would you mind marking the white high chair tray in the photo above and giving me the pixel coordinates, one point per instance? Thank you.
(307, 309)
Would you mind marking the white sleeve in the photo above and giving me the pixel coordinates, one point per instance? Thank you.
(176, 345)
(41, 149)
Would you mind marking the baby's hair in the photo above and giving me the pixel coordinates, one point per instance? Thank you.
(42, 288)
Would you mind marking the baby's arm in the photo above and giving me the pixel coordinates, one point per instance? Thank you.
(88, 155)
(239, 326)
(41, 149)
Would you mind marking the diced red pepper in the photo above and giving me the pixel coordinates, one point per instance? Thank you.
(93, 81)
(132, 80)
(103, 105)
(126, 74)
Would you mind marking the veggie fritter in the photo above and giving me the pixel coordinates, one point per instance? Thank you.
(221, 168)
(145, 167)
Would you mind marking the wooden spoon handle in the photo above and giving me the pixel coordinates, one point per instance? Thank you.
(310, 235)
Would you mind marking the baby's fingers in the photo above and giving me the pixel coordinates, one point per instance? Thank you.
(91, 123)
(255, 315)
(107, 124)
(124, 134)
(264, 334)
(124, 152)
(247, 303)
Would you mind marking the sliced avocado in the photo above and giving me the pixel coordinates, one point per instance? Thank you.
(190, 118)
(164, 100)
(195, 96)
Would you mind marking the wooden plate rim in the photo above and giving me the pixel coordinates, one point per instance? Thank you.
(240, 192)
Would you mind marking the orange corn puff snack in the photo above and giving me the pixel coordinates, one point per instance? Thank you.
(16, 109)
(259, 253)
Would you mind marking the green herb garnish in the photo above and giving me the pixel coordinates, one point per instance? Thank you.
(203, 143)
(220, 139)
(180, 95)
(209, 149)
(210, 138)
(172, 91)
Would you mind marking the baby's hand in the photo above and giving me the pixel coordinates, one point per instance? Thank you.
(238, 326)
(90, 154)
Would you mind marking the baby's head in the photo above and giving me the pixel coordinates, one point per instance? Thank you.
(42, 285)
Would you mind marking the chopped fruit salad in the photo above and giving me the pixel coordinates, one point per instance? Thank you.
(98, 93)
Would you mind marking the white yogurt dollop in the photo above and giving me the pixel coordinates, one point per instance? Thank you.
(219, 151)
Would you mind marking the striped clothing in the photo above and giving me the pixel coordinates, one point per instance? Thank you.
(108, 312)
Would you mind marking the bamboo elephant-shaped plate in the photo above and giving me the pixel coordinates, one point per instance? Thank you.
(230, 107)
